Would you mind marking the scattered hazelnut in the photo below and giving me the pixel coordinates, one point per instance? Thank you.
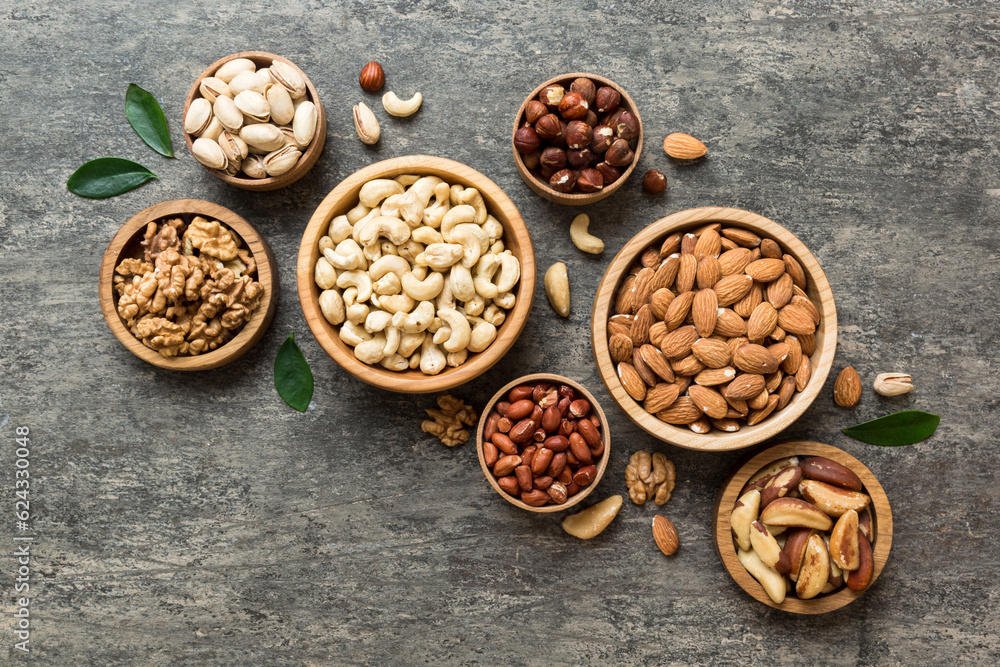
(619, 154)
(578, 134)
(627, 127)
(590, 180)
(608, 173)
(372, 77)
(578, 159)
(563, 181)
(654, 182)
(551, 96)
(573, 106)
(606, 99)
(534, 110)
(585, 87)
(604, 136)
(548, 126)
(553, 158)
(526, 140)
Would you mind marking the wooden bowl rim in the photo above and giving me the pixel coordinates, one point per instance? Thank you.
(578, 198)
(251, 332)
(309, 157)
(500, 206)
(728, 495)
(747, 436)
(594, 405)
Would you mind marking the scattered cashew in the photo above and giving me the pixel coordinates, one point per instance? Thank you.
(401, 108)
(582, 239)
(557, 288)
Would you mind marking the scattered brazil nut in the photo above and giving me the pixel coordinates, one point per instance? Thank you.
(665, 535)
(893, 384)
(557, 288)
(401, 108)
(592, 521)
(583, 239)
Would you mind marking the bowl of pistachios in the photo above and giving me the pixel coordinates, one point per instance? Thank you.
(254, 120)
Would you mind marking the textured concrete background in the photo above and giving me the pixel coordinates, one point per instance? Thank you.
(197, 519)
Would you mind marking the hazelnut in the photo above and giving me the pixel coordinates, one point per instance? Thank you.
(609, 173)
(654, 182)
(619, 154)
(553, 158)
(526, 140)
(548, 126)
(590, 180)
(372, 77)
(563, 181)
(560, 139)
(591, 118)
(606, 100)
(573, 106)
(531, 159)
(534, 110)
(585, 87)
(604, 136)
(545, 173)
(580, 158)
(578, 134)
(611, 118)
(627, 127)
(551, 96)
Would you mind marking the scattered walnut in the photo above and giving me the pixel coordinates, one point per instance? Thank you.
(650, 476)
(212, 239)
(446, 423)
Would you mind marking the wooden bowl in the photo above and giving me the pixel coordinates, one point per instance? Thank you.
(575, 198)
(819, 291)
(309, 157)
(126, 244)
(344, 197)
(595, 407)
(729, 493)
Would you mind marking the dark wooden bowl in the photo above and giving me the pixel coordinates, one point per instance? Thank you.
(344, 197)
(575, 198)
(312, 152)
(605, 434)
(126, 244)
(722, 534)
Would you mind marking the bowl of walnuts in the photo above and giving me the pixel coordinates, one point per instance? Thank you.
(577, 138)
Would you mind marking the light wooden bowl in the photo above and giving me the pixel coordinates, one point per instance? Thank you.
(819, 291)
(594, 406)
(722, 533)
(312, 152)
(344, 197)
(575, 198)
(126, 244)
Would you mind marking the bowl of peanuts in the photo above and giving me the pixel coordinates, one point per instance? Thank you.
(714, 328)
(416, 274)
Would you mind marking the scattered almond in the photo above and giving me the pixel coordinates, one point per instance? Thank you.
(665, 535)
(847, 388)
(682, 146)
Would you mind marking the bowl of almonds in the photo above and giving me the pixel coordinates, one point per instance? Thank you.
(803, 527)
(714, 328)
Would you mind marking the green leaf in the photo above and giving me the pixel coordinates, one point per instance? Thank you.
(146, 117)
(896, 430)
(107, 177)
(292, 377)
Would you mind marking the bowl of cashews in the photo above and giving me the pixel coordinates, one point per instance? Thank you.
(416, 274)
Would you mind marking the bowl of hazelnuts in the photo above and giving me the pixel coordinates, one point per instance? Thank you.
(577, 138)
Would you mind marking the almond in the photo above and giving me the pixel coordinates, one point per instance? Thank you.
(795, 320)
(616, 328)
(772, 381)
(733, 262)
(745, 386)
(794, 358)
(713, 226)
(631, 381)
(808, 343)
(640, 326)
(678, 342)
(682, 411)
(665, 535)
(647, 375)
(708, 272)
(805, 304)
(709, 245)
(778, 334)
(731, 289)
(729, 324)
(786, 391)
(688, 365)
(678, 310)
(708, 401)
(661, 397)
(769, 248)
(643, 288)
(660, 301)
(743, 237)
(762, 321)
(729, 425)
(759, 402)
(779, 292)
(666, 273)
(656, 333)
(712, 352)
(655, 361)
(682, 146)
(765, 270)
(688, 242)
(794, 269)
(847, 388)
(757, 416)
(650, 258)
(745, 306)
(620, 347)
(704, 310)
(711, 377)
(687, 273)
(670, 245)
(755, 359)
(804, 373)
(623, 302)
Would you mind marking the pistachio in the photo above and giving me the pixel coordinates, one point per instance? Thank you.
(264, 136)
(253, 105)
(247, 81)
(214, 130)
(304, 123)
(213, 87)
(198, 116)
(893, 384)
(282, 110)
(281, 161)
(209, 153)
(229, 70)
(233, 167)
(290, 137)
(265, 73)
(234, 148)
(288, 76)
(228, 114)
(253, 166)
(366, 124)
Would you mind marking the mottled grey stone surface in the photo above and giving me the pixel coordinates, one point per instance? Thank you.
(197, 519)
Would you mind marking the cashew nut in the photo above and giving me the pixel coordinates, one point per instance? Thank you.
(474, 198)
(357, 313)
(474, 241)
(510, 272)
(406, 206)
(426, 235)
(415, 361)
(387, 285)
(440, 255)
(406, 180)
(392, 338)
(432, 360)
(409, 342)
(505, 300)
(396, 303)
(461, 283)
(433, 215)
(357, 213)
(386, 248)
(324, 243)
(425, 187)
(352, 333)
(557, 288)
(347, 256)
(373, 252)
(325, 274)
(582, 239)
(401, 108)
(456, 216)
(395, 362)
(441, 334)
(389, 264)
(410, 250)
(358, 279)
(456, 359)
(423, 290)
(445, 299)
(340, 228)
(377, 320)
(493, 228)
(394, 229)
(497, 247)
(373, 192)
(494, 315)
(482, 336)
(416, 320)
(482, 276)
(460, 329)
(370, 351)
(455, 194)
(332, 306)
(475, 305)
(350, 296)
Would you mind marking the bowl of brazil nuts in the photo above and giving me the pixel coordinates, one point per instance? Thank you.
(577, 138)
(416, 274)
(543, 442)
(803, 527)
(714, 328)
(254, 120)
